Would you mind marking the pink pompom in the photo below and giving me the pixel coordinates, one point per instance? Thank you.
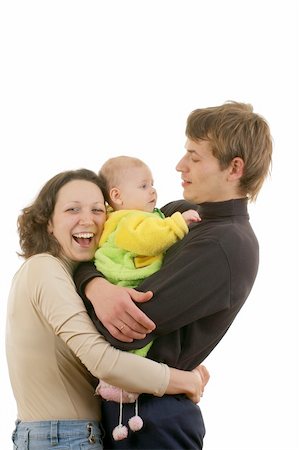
(108, 392)
(113, 393)
(120, 432)
(129, 397)
(135, 423)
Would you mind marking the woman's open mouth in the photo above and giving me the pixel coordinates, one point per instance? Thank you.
(83, 239)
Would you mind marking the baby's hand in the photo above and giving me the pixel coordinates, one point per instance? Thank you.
(191, 216)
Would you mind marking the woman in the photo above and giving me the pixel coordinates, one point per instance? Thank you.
(54, 352)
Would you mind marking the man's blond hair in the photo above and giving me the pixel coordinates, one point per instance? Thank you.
(234, 130)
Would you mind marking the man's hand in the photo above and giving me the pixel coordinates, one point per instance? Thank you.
(115, 308)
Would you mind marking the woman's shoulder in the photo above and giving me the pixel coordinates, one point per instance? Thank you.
(41, 258)
(45, 262)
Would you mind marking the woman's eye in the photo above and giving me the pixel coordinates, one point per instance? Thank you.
(73, 209)
(99, 211)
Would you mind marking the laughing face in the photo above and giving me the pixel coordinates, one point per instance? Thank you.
(78, 219)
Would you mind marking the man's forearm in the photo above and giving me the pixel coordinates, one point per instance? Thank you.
(114, 305)
(84, 273)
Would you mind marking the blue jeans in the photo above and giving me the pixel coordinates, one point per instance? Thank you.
(58, 435)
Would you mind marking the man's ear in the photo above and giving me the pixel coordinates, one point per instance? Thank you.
(115, 196)
(236, 169)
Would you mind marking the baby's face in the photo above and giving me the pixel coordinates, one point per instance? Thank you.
(137, 190)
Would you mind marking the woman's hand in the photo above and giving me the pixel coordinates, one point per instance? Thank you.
(191, 383)
(202, 377)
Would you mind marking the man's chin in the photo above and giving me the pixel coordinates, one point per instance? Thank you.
(190, 198)
(187, 196)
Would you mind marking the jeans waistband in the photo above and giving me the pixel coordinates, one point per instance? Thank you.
(55, 430)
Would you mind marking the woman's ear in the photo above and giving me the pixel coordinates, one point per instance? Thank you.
(50, 227)
(115, 196)
(236, 169)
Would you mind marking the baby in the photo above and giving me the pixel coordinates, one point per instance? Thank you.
(135, 237)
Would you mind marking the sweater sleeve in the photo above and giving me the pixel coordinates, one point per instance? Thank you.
(148, 234)
(56, 299)
(84, 273)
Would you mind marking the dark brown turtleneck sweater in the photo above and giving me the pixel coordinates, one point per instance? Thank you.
(204, 281)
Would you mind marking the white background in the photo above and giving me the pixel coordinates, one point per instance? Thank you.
(82, 81)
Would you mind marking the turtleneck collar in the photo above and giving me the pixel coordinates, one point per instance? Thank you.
(235, 207)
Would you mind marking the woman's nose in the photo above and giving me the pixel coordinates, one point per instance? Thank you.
(86, 219)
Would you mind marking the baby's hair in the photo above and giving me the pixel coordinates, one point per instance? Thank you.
(113, 170)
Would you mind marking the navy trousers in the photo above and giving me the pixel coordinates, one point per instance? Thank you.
(171, 422)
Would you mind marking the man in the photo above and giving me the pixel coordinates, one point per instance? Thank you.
(206, 277)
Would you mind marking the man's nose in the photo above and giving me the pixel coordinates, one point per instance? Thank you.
(180, 167)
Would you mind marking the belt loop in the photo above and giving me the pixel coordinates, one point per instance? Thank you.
(27, 438)
(54, 433)
(91, 437)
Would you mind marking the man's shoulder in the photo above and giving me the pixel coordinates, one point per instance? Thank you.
(177, 205)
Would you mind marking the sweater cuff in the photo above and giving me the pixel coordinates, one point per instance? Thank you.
(165, 381)
(182, 228)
